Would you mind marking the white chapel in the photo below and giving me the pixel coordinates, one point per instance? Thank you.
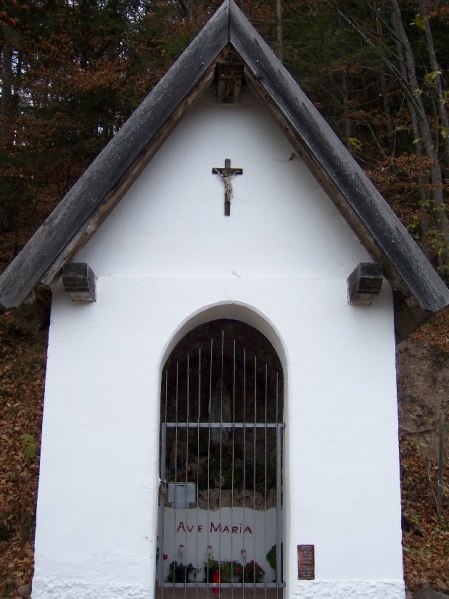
(224, 288)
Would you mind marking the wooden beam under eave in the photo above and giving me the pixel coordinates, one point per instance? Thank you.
(79, 281)
(408, 317)
(365, 283)
(34, 312)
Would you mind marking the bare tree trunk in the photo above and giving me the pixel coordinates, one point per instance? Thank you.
(405, 73)
(280, 42)
(437, 78)
(383, 84)
(7, 208)
(426, 136)
(440, 465)
(346, 117)
(423, 182)
(186, 8)
(6, 91)
(386, 104)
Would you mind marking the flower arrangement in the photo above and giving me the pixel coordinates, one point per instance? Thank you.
(164, 555)
(178, 571)
(211, 565)
(272, 558)
(251, 572)
(229, 570)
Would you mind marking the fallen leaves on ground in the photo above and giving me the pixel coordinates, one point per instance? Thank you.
(425, 536)
(22, 366)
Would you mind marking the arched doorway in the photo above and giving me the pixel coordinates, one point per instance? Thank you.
(221, 458)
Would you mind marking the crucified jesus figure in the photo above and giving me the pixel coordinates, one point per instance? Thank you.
(226, 173)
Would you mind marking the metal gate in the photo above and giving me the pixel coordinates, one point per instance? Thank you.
(221, 449)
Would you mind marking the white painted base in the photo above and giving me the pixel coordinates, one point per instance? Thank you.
(45, 587)
(353, 589)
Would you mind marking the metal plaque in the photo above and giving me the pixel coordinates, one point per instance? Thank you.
(306, 562)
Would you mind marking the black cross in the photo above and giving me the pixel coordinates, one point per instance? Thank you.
(226, 173)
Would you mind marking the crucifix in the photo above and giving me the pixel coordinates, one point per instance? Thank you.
(226, 173)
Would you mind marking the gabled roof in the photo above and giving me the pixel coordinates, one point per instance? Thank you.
(419, 292)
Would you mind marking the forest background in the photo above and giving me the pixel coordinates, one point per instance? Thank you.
(71, 73)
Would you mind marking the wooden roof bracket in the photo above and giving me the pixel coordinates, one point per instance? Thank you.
(79, 281)
(365, 283)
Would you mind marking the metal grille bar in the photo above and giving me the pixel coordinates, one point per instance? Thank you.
(221, 443)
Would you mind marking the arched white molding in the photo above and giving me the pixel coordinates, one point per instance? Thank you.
(235, 311)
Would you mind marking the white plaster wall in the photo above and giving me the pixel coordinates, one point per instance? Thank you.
(171, 223)
(280, 261)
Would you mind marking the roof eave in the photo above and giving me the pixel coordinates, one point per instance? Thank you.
(378, 228)
(96, 193)
(99, 189)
